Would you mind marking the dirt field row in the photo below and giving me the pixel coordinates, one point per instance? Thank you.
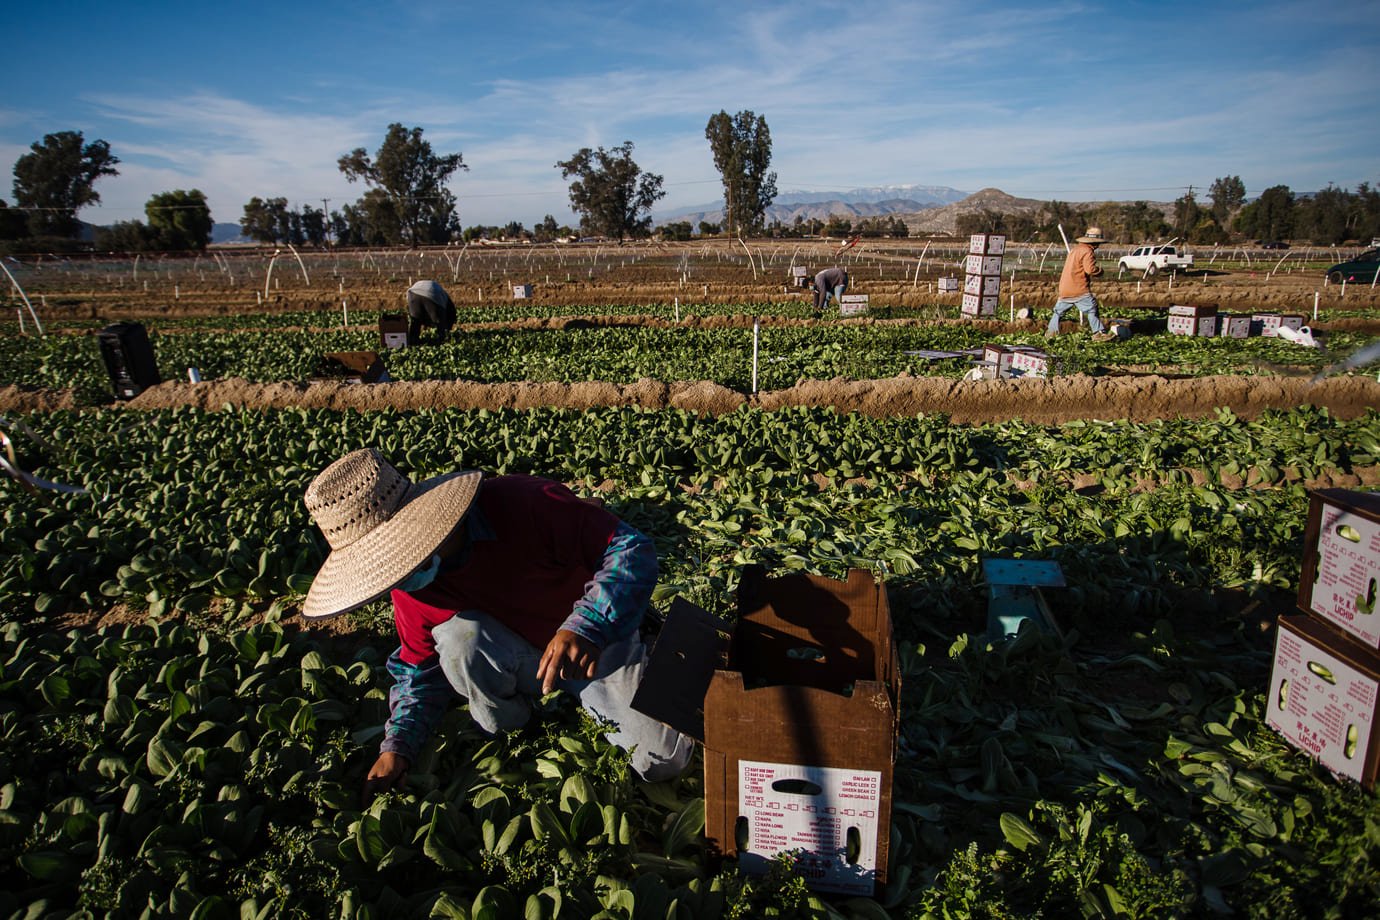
(1052, 401)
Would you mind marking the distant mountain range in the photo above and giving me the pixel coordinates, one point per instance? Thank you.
(859, 202)
(228, 233)
(926, 210)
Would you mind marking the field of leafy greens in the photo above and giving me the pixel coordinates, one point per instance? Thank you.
(207, 763)
(625, 354)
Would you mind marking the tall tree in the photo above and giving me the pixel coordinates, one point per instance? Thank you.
(180, 219)
(1269, 217)
(57, 178)
(610, 192)
(741, 145)
(1228, 194)
(313, 225)
(414, 178)
(1325, 216)
(265, 220)
(1187, 213)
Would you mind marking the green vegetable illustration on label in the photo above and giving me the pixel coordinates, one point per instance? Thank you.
(1322, 671)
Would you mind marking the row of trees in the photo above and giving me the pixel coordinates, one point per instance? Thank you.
(407, 202)
(1331, 216)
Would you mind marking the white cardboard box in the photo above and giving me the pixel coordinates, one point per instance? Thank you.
(852, 304)
(982, 265)
(983, 285)
(975, 305)
(1269, 323)
(812, 812)
(1340, 579)
(948, 285)
(1032, 364)
(522, 291)
(1195, 310)
(999, 357)
(1230, 326)
(987, 244)
(1188, 325)
(1322, 697)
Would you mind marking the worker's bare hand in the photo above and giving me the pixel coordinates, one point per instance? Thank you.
(568, 656)
(388, 771)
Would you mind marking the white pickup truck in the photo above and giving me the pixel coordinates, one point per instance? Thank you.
(1154, 259)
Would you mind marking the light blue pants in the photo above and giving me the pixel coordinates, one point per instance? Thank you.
(836, 293)
(1086, 304)
(495, 669)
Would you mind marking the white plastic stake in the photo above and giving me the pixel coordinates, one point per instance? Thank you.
(756, 327)
(1315, 306)
(677, 309)
(344, 314)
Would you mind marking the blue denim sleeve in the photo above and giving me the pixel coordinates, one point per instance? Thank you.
(616, 597)
(417, 700)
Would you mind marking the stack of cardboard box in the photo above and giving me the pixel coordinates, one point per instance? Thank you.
(1326, 673)
(982, 274)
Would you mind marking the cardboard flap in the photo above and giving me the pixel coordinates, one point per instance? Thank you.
(811, 630)
(692, 643)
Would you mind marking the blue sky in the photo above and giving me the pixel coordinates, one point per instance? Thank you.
(1069, 100)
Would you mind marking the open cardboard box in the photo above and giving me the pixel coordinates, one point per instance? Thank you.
(797, 709)
(350, 367)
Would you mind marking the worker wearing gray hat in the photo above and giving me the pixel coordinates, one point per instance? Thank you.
(428, 305)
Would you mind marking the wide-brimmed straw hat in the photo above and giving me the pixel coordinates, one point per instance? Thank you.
(381, 526)
(1094, 235)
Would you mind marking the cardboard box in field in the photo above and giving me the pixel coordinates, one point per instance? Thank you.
(393, 331)
(350, 367)
(1340, 578)
(1322, 697)
(948, 285)
(982, 265)
(1205, 326)
(999, 358)
(975, 305)
(1033, 363)
(853, 304)
(1230, 326)
(982, 285)
(522, 291)
(987, 244)
(798, 720)
(1267, 324)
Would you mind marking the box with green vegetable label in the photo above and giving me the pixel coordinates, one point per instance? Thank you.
(798, 712)
(1322, 697)
(1341, 562)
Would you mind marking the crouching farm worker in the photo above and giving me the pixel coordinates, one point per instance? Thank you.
(1075, 289)
(831, 282)
(503, 589)
(429, 306)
